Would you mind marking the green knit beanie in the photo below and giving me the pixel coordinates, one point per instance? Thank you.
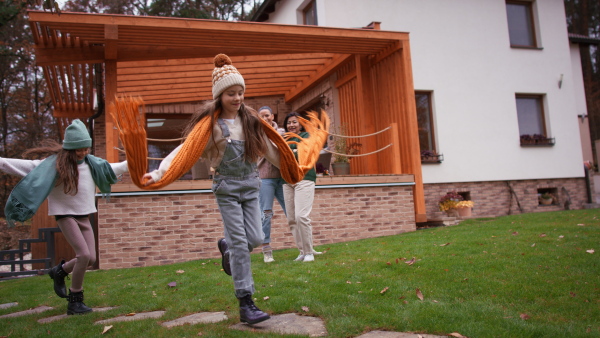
(77, 136)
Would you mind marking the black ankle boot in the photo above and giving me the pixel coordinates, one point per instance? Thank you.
(76, 305)
(224, 256)
(249, 313)
(58, 275)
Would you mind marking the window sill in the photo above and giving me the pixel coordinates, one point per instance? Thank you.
(434, 159)
(526, 47)
(538, 143)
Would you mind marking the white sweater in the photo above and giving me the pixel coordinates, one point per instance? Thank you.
(59, 203)
(213, 151)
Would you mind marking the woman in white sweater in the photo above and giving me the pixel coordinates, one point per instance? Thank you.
(68, 177)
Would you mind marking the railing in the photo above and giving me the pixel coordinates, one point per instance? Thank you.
(9, 257)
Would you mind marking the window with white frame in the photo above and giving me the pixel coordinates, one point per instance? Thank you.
(425, 126)
(309, 13)
(521, 28)
(531, 118)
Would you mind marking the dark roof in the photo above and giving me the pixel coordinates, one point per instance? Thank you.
(583, 39)
(266, 8)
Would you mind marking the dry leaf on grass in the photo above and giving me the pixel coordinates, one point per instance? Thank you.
(172, 284)
(543, 235)
(532, 245)
(457, 335)
(266, 298)
(419, 294)
(590, 251)
(130, 314)
(305, 309)
(106, 328)
(384, 290)
(179, 271)
(445, 244)
(524, 316)
(411, 262)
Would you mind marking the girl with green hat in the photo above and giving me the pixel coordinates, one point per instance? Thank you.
(68, 176)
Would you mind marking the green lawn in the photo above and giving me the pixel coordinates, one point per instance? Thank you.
(517, 276)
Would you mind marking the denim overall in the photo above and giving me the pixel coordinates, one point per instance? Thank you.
(236, 186)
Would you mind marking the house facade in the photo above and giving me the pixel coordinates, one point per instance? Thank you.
(498, 90)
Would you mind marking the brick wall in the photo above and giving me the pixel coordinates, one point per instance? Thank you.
(495, 199)
(163, 229)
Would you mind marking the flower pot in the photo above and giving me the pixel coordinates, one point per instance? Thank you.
(546, 201)
(464, 211)
(452, 212)
(341, 168)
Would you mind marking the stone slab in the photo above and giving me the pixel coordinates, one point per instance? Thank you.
(289, 323)
(7, 305)
(197, 318)
(390, 334)
(137, 316)
(38, 309)
(59, 317)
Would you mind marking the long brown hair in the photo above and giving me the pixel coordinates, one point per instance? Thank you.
(66, 163)
(254, 146)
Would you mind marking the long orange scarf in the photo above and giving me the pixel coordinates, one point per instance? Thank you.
(126, 114)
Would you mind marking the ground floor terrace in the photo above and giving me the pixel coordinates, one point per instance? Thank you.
(140, 228)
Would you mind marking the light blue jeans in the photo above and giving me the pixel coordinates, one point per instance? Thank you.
(270, 188)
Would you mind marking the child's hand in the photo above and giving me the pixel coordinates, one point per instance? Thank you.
(147, 179)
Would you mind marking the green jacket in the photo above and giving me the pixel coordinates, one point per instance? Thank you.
(311, 175)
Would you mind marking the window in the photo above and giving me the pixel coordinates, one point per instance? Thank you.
(425, 125)
(164, 135)
(309, 14)
(520, 24)
(532, 125)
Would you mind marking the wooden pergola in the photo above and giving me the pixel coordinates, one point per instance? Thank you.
(169, 60)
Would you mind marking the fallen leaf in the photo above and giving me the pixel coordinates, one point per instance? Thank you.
(524, 316)
(153, 293)
(266, 298)
(172, 284)
(179, 271)
(590, 251)
(130, 314)
(561, 236)
(388, 263)
(444, 244)
(348, 282)
(515, 233)
(581, 224)
(532, 245)
(573, 294)
(106, 328)
(457, 335)
(435, 301)
(384, 290)
(543, 235)
(397, 260)
(419, 294)
(411, 262)
(305, 308)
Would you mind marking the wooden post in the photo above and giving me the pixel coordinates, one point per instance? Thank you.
(111, 34)
(395, 140)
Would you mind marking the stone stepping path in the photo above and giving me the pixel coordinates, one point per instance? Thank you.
(38, 309)
(390, 334)
(7, 305)
(197, 318)
(289, 323)
(59, 317)
(137, 316)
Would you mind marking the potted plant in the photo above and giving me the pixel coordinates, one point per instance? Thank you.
(464, 208)
(546, 198)
(342, 147)
(449, 202)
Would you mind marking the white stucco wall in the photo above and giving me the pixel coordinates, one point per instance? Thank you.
(461, 52)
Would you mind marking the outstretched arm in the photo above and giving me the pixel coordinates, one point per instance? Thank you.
(17, 167)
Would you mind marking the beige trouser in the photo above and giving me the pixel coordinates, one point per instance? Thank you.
(298, 205)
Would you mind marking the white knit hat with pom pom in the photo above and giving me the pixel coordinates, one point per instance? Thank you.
(225, 75)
